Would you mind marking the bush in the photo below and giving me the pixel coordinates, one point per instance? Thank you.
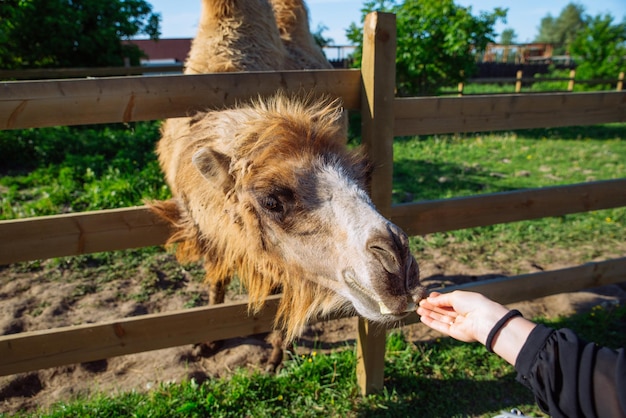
(65, 169)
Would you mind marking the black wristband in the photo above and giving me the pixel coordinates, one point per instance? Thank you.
(492, 334)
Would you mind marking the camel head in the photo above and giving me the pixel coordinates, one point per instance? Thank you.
(273, 193)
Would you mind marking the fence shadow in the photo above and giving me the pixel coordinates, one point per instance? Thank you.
(415, 179)
(411, 396)
(596, 132)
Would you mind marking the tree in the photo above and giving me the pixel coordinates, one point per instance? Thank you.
(600, 48)
(436, 41)
(508, 36)
(562, 31)
(69, 33)
(319, 37)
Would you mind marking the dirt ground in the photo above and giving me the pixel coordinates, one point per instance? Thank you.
(44, 297)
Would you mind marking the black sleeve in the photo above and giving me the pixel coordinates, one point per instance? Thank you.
(570, 377)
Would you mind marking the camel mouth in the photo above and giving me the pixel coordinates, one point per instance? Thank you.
(367, 298)
(410, 307)
(349, 278)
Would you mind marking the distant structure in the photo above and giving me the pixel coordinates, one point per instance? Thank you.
(531, 53)
(163, 51)
(340, 56)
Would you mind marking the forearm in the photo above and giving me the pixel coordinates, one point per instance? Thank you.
(511, 338)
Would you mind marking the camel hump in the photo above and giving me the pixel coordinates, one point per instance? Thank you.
(236, 35)
(292, 19)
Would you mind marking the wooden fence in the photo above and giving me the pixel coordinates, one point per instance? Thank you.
(84, 72)
(370, 91)
(519, 80)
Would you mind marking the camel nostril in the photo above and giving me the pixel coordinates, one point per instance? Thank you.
(386, 256)
(391, 250)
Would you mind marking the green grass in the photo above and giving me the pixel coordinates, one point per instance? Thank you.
(438, 378)
(547, 85)
(56, 170)
(436, 167)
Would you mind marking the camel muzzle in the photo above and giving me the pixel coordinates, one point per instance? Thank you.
(399, 286)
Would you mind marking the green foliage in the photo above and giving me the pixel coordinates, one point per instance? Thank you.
(600, 48)
(320, 39)
(436, 41)
(508, 36)
(563, 29)
(65, 169)
(64, 33)
(597, 44)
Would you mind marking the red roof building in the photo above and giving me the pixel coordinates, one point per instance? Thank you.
(164, 49)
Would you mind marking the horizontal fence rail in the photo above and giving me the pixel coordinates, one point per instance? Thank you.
(118, 229)
(32, 74)
(533, 80)
(439, 115)
(80, 233)
(76, 344)
(507, 290)
(50, 348)
(35, 104)
(489, 209)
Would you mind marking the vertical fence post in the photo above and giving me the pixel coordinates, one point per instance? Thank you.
(378, 72)
(570, 83)
(461, 85)
(518, 81)
(620, 81)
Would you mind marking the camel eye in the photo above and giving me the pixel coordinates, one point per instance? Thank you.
(272, 204)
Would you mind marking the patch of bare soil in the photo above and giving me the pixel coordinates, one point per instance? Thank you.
(37, 296)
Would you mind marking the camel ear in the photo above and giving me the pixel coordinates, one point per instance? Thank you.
(213, 166)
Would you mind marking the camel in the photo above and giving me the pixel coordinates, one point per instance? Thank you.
(254, 36)
(268, 190)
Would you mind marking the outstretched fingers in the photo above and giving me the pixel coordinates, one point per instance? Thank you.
(445, 315)
(445, 320)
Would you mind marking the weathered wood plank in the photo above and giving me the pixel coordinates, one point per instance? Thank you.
(437, 115)
(42, 349)
(48, 73)
(530, 286)
(33, 104)
(536, 285)
(79, 233)
(378, 69)
(489, 209)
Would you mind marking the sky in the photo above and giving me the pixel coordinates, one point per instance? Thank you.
(179, 18)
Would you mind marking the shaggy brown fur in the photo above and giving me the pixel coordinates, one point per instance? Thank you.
(270, 141)
(292, 19)
(254, 36)
(236, 35)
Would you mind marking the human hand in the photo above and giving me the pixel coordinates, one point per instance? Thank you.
(465, 316)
